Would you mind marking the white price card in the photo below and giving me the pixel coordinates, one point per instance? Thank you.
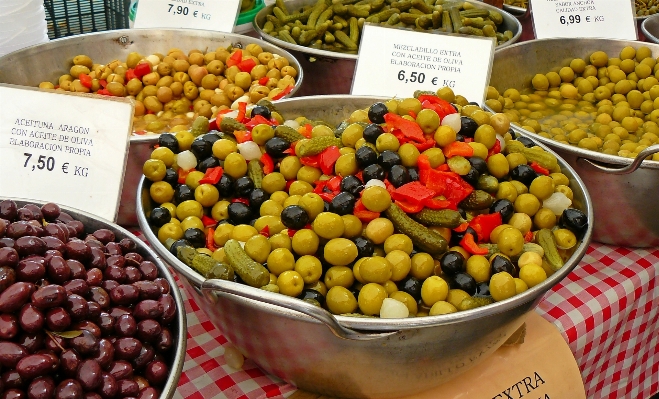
(610, 19)
(64, 148)
(396, 62)
(217, 15)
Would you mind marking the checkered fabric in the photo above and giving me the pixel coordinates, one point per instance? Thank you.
(607, 310)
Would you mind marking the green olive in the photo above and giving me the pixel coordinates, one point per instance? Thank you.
(154, 169)
(340, 300)
(370, 298)
(433, 289)
(206, 194)
(375, 269)
(377, 230)
(258, 248)
(220, 210)
(305, 242)
(408, 155)
(497, 165)
(527, 203)
(376, 199)
(280, 260)
(428, 120)
(542, 187)
(169, 231)
(273, 223)
(235, 165)
(312, 204)
(478, 267)
(409, 104)
(161, 192)
(398, 242)
(262, 133)
(328, 225)
(401, 264)
(189, 208)
(346, 165)
(339, 276)
(352, 226)
(309, 268)
(565, 239)
(339, 251)
(510, 242)
(223, 147)
(502, 286)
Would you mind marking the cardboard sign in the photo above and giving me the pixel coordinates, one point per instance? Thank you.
(65, 148)
(611, 19)
(397, 62)
(217, 15)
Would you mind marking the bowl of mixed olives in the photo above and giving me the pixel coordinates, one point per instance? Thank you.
(412, 233)
(176, 77)
(88, 309)
(593, 102)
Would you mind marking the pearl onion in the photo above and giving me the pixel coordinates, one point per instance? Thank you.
(375, 182)
(453, 120)
(249, 150)
(393, 309)
(558, 202)
(186, 160)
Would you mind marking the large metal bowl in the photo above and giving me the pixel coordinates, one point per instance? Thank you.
(48, 61)
(650, 28)
(179, 327)
(331, 72)
(348, 356)
(623, 191)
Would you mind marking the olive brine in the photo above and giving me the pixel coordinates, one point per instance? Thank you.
(412, 207)
(81, 315)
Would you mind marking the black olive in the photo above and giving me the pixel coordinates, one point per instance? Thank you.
(523, 173)
(326, 206)
(261, 110)
(479, 164)
(195, 236)
(171, 177)
(414, 174)
(452, 263)
(243, 186)
(377, 112)
(168, 140)
(513, 135)
(294, 217)
(372, 132)
(500, 264)
(178, 243)
(308, 293)
(468, 126)
(465, 282)
(225, 186)
(206, 163)
(256, 198)
(398, 175)
(365, 247)
(365, 156)
(528, 143)
(472, 176)
(456, 237)
(411, 285)
(159, 216)
(239, 213)
(459, 137)
(353, 290)
(183, 192)
(343, 204)
(373, 172)
(276, 146)
(463, 214)
(474, 103)
(201, 148)
(211, 137)
(575, 221)
(237, 279)
(504, 207)
(352, 185)
(483, 289)
(388, 158)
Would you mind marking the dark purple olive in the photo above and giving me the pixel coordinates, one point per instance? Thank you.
(168, 308)
(98, 259)
(6, 242)
(146, 356)
(41, 388)
(142, 383)
(156, 372)
(89, 326)
(104, 235)
(164, 341)
(118, 311)
(56, 231)
(121, 369)
(105, 354)
(55, 343)
(22, 229)
(127, 348)
(92, 395)
(69, 361)
(133, 274)
(31, 342)
(127, 245)
(125, 294)
(134, 258)
(78, 250)
(100, 296)
(77, 307)
(64, 217)
(77, 286)
(147, 289)
(11, 379)
(69, 389)
(126, 326)
(109, 285)
(78, 226)
(36, 211)
(114, 273)
(31, 319)
(77, 269)
(148, 393)
(106, 323)
(113, 248)
(116, 260)
(128, 388)
(94, 277)
(15, 296)
(89, 374)
(148, 309)
(58, 270)
(14, 394)
(30, 245)
(94, 310)
(49, 296)
(8, 257)
(33, 366)
(30, 271)
(3, 226)
(148, 330)
(8, 326)
(109, 386)
(50, 211)
(11, 353)
(163, 284)
(8, 277)
(149, 270)
(58, 319)
(53, 243)
(86, 343)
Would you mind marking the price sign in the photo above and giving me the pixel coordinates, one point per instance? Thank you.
(65, 148)
(217, 15)
(612, 19)
(395, 62)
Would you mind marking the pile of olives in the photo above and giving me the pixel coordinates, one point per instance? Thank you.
(602, 103)
(300, 229)
(82, 313)
(179, 87)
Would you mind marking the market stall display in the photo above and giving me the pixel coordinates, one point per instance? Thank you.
(612, 180)
(233, 259)
(87, 308)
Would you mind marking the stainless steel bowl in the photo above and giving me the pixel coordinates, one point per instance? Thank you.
(331, 72)
(623, 190)
(179, 327)
(348, 356)
(650, 28)
(48, 61)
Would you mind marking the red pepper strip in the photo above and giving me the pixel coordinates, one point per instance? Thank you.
(442, 107)
(413, 193)
(423, 164)
(444, 168)
(334, 184)
(210, 241)
(409, 128)
(235, 58)
(448, 184)
(528, 237)
(56, 86)
(246, 65)
(484, 224)
(402, 139)
(268, 164)
(140, 132)
(291, 232)
(104, 92)
(495, 149)
(328, 158)
(470, 245)
(241, 200)
(242, 136)
(142, 69)
(288, 184)
(182, 174)
(458, 148)
(265, 231)
(461, 227)
(130, 74)
(434, 203)
(408, 207)
(212, 125)
(468, 139)
(360, 176)
(242, 111)
(257, 120)
(85, 80)
(430, 143)
(327, 197)
(364, 214)
(212, 175)
(539, 169)
(283, 93)
(208, 221)
(320, 185)
(313, 161)
(412, 114)
(390, 187)
(264, 80)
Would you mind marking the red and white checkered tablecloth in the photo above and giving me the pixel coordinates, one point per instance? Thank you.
(607, 310)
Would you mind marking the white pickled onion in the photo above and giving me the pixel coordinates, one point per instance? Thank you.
(153, 59)
(231, 114)
(292, 123)
(453, 120)
(233, 357)
(249, 150)
(241, 99)
(375, 182)
(186, 160)
(393, 309)
(558, 202)
(502, 142)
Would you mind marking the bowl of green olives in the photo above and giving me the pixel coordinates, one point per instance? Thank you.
(349, 231)
(591, 101)
(174, 76)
